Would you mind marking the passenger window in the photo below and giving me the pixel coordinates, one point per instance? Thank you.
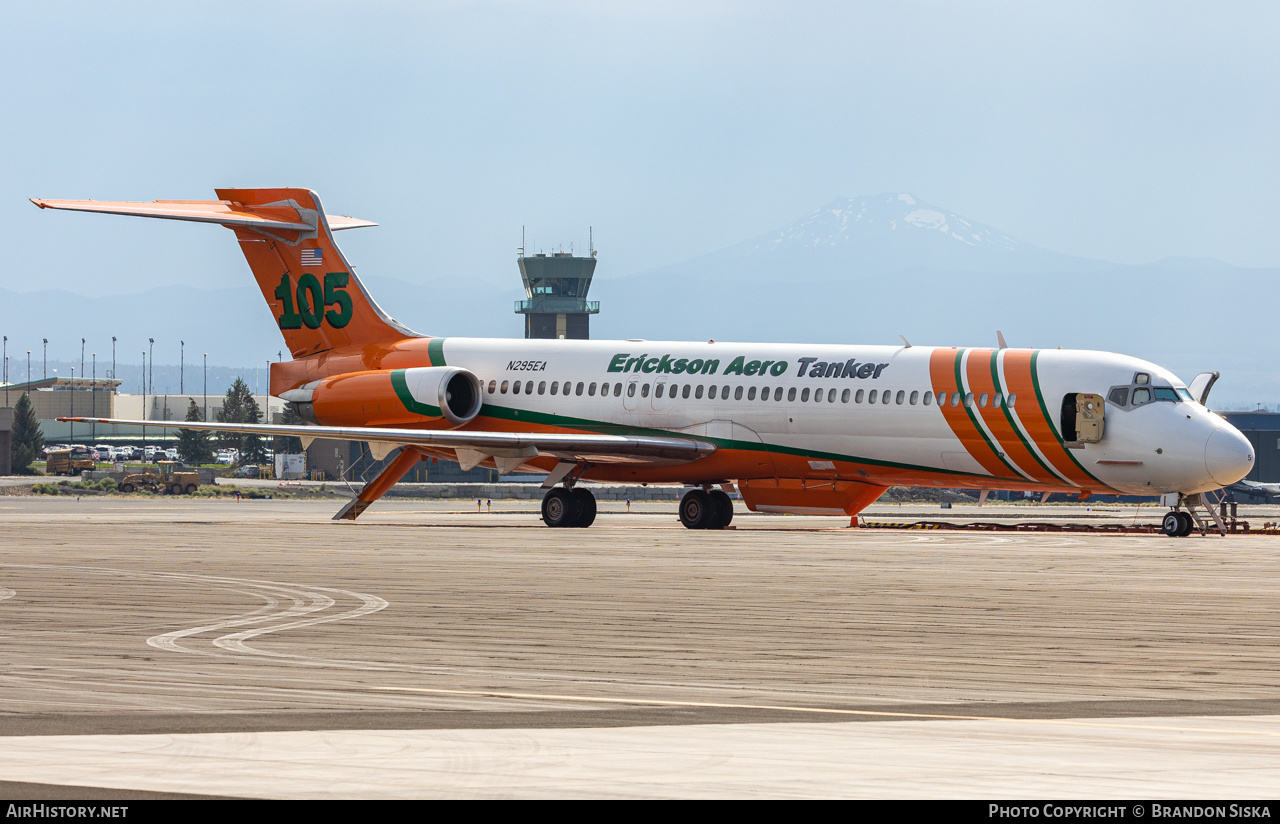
(968, 400)
(515, 388)
(900, 397)
(751, 394)
(764, 394)
(955, 398)
(631, 390)
(503, 390)
(857, 398)
(737, 393)
(1009, 401)
(542, 387)
(493, 386)
(996, 400)
(884, 396)
(555, 387)
(604, 390)
(777, 394)
(697, 393)
(578, 391)
(982, 400)
(831, 395)
(684, 393)
(591, 390)
(1118, 396)
(724, 393)
(617, 389)
(711, 393)
(644, 391)
(844, 396)
(928, 398)
(873, 395)
(804, 395)
(915, 396)
(791, 394)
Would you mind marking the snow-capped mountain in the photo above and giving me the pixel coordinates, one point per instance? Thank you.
(858, 236)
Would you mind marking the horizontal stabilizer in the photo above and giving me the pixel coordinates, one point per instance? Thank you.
(224, 212)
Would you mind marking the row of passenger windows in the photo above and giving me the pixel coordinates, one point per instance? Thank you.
(698, 391)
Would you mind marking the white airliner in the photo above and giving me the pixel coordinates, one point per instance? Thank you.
(797, 428)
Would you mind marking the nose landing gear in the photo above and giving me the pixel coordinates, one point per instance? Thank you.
(1177, 524)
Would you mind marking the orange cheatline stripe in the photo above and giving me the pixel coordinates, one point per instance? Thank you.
(1017, 373)
(978, 371)
(942, 374)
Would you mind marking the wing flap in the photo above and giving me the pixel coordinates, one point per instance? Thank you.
(645, 449)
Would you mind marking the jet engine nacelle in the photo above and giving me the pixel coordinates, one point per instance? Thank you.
(395, 397)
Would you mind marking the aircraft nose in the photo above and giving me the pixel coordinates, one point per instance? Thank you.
(1228, 456)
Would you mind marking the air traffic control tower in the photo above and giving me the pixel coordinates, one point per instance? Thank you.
(555, 286)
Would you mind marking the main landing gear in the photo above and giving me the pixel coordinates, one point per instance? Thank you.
(1177, 524)
(569, 507)
(703, 509)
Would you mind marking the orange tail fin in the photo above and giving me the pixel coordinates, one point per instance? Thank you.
(317, 301)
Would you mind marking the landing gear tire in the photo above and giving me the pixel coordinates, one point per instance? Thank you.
(723, 505)
(587, 507)
(1188, 524)
(561, 508)
(1172, 524)
(697, 511)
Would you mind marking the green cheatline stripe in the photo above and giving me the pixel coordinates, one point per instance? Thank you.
(406, 398)
(600, 427)
(964, 396)
(1004, 407)
(1035, 381)
(435, 351)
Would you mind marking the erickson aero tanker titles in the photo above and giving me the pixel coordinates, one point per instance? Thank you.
(796, 428)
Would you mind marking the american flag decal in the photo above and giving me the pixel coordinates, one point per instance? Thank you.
(312, 257)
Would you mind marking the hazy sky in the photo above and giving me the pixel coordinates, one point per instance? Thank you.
(1124, 131)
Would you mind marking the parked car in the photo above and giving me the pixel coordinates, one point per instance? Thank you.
(247, 472)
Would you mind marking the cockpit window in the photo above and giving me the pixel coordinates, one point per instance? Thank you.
(1141, 396)
(1142, 378)
(1166, 394)
(1119, 396)
(1183, 393)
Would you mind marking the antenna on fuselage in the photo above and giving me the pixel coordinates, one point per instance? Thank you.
(1000, 339)
(906, 343)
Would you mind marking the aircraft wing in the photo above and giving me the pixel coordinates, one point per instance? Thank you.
(508, 449)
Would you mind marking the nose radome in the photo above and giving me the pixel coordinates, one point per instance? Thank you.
(1228, 456)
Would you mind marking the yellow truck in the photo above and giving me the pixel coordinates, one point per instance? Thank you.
(69, 461)
(164, 477)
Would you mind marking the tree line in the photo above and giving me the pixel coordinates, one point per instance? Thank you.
(194, 448)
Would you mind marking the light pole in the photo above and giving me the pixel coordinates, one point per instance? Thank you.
(144, 403)
(206, 386)
(151, 383)
(6, 370)
(82, 358)
(182, 364)
(28, 369)
(113, 357)
(46, 358)
(93, 398)
(73, 402)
